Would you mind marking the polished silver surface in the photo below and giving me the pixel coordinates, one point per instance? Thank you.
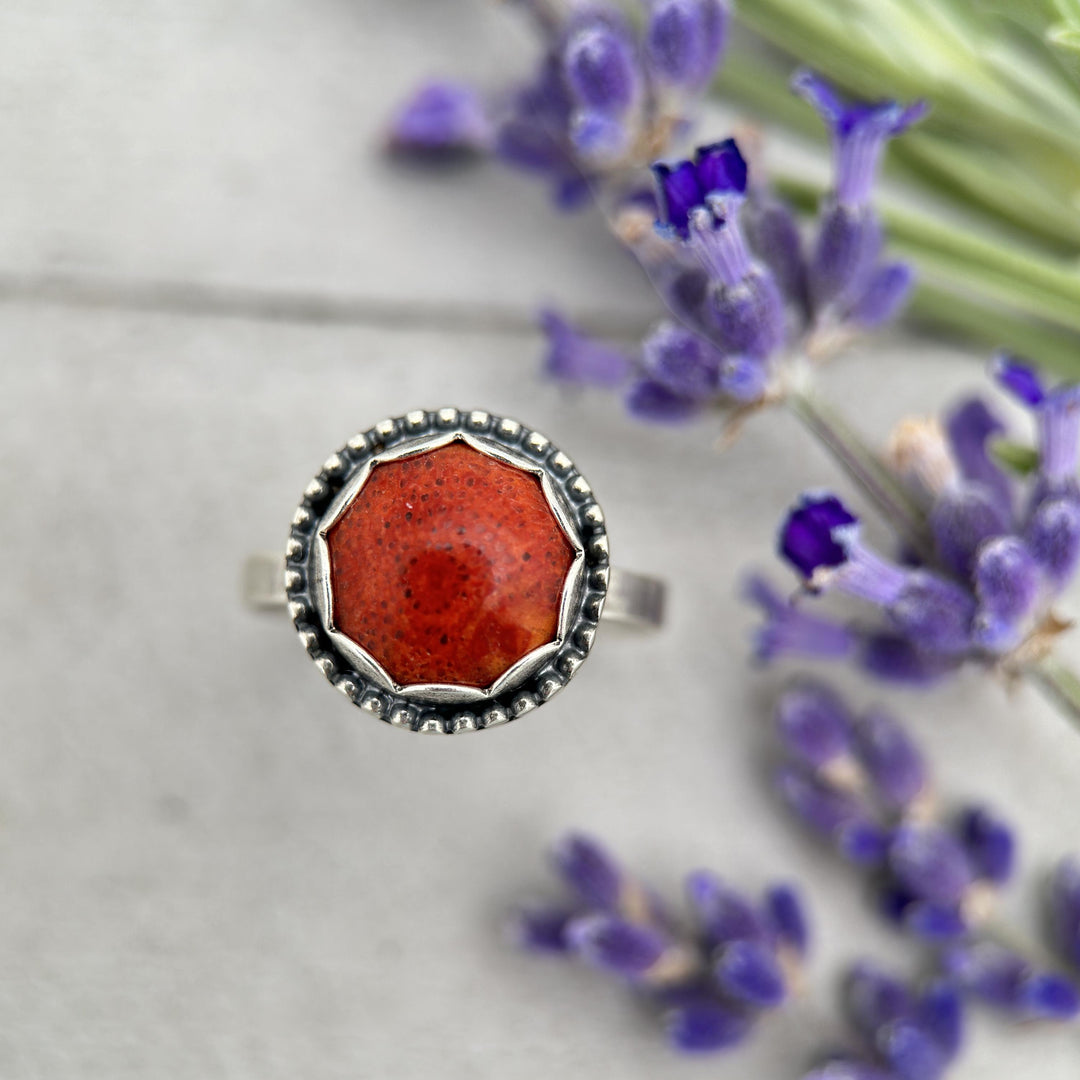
(302, 579)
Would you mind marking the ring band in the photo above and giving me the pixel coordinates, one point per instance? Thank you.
(447, 570)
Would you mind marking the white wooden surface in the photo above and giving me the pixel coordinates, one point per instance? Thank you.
(211, 865)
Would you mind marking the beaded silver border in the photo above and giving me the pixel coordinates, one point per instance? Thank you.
(434, 709)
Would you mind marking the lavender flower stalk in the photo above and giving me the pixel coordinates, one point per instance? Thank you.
(861, 784)
(708, 979)
(999, 549)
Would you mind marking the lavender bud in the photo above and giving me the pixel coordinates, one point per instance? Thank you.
(895, 659)
(600, 69)
(598, 136)
(441, 119)
(934, 922)
(940, 1012)
(1065, 909)
(988, 971)
(814, 723)
(575, 357)
(848, 245)
(748, 971)
(823, 808)
(970, 426)
(724, 915)
(1059, 437)
(651, 400)
(1049, 996)
(789, 630)
(744, 379)
(886, 292)
(773, 234)
(934, 613)
(874, 998)
(747, 317)
(890, 758)
(542, 930)
(1007, 583)
(930, 862)
(1053, 537)
(684, 40)
(989, 843)
(1019, 378)
(786, 914)
(682, 361)
(961, 520)
(864, 843)
(589, 871)
(705, 1025)
(911, 1053)
(617, 946)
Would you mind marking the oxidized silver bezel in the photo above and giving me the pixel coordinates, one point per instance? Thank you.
(430, 708)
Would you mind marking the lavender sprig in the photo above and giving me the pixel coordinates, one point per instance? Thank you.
(860, 783)
(708, 979)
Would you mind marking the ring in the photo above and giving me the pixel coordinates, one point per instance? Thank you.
(447, 570)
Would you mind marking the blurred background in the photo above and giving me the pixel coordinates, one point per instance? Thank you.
(212, 866)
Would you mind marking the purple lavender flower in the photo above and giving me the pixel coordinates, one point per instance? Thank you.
(442, 119)
(575, 357)
(1065, 910)
(909, 1033)
(709, 982)
(684, 41)
(989, 843)
(815, 725)
(992, 561)
(789, 630)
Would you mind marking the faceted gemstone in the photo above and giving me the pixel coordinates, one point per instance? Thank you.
(448, 567)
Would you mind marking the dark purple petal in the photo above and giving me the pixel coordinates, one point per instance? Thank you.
(786, 913)
(930, 862)
(574, 357)
(747, 317)
(961, 520)
(970, 426)
(721, 168)
(601, 69)
(911, 1052)
(616, 945)
(820, 94)
(1053, 537)
(682, 361)
(934, 613)
(651, 400)
(940, 1012)
(874, 998)
(848, 246)
(789, 630)
(589, 871)
(1019, 378)
(441, 119)
(890, 757)
(1065, 909)
(1049, 996)
(749, 972)
(706, 1026)
(679, 192)
(723, 914)
(806, 537)
(895, 659)
(887, 290)
(823, 808)
(684, 41)
(989, 843)
(814, 723)
(542, 929)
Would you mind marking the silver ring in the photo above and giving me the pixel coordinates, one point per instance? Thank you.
(447, 571)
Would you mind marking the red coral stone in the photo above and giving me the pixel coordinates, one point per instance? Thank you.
(448, 567)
